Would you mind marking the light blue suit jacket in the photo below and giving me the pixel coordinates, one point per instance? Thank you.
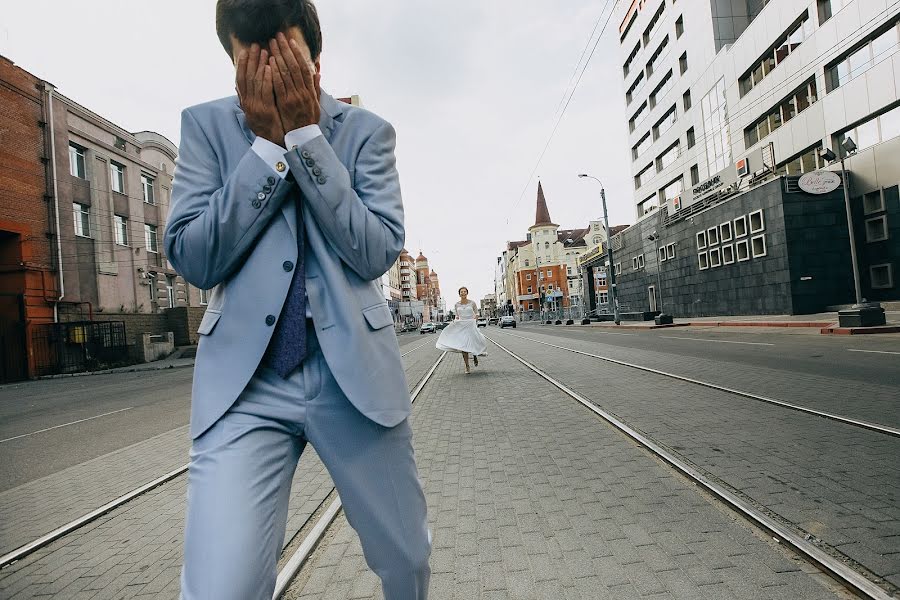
(232, 227)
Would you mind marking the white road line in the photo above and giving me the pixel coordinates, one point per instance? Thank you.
(672, 337)
(65, 424)
(615, 333)
(873, 351)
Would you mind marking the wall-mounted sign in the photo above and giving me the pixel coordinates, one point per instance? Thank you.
(743, 167)
(819, 182)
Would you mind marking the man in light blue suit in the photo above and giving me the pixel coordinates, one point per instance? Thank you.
(286, 203)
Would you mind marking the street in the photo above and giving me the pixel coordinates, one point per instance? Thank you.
(836, 483)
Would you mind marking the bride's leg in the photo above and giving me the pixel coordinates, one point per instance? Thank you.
(466, 360)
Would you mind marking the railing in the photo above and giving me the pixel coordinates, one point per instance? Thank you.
(78, 346)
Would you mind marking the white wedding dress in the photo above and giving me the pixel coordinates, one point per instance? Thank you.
(462, 335)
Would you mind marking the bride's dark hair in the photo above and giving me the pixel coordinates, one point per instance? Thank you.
(459, 291)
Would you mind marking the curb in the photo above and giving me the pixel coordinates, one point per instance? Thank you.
(818, 324)
(835, 330)
(112, 371)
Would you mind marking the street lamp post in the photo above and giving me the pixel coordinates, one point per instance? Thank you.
(613, 296)
(863, 313)
(662, 318)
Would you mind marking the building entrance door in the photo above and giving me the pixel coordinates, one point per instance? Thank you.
(651, 294)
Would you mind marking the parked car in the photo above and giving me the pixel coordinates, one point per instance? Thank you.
(507, 321)
(481, 322)
(443, 325)
(427, 328)
(493, 321)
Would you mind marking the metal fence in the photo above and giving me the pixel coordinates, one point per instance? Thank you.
(78, 346)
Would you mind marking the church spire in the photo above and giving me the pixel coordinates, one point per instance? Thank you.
(542, 214)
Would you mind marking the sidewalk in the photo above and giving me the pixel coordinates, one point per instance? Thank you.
(531, 496)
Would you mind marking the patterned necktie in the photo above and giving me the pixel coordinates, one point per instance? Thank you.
(288, 346)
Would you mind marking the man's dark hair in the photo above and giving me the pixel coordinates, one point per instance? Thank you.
(259, 20)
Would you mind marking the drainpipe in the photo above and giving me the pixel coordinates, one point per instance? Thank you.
(62, 284)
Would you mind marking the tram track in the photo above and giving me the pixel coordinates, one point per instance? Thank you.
(848, 572)
(74, 525)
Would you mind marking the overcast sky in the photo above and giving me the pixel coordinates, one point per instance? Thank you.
(472, 87)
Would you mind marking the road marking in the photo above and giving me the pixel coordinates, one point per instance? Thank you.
(672, 337)
(65, 424)
(615, 333)
(874, 351)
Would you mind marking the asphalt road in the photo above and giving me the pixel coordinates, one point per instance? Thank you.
(49, 425)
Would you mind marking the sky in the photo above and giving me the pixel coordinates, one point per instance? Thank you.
(472, 87)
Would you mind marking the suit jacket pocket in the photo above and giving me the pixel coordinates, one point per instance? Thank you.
(378, 316)
(210, 318)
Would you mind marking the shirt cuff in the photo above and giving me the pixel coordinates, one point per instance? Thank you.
(272, 154)
(299, 137)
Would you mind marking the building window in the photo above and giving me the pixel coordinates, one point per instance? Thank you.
(117, 176)
(604, 297)
(204, 297)
(742, 250)
(805, 162)
(682, 63)
(641, 147)
(777, 53)
(701, 240)
(549, 273)
(119, 143)
(635, 88)
(873, 131)
(618, 268)
(679, 26)
(789, 107)
(686, 100)
(670, 251)
(643, 177)
(658, 56)
(671, 191)
(530, 306)
(873, 202)
(170, 290)
(150, 238)
(527, 276)
(121, 230)
(703, 260)
(758, 246)
(691, 138)
(715, 127)
(695, 175)
(82, 219)
(655, 23)
(76, 161)
(876, 229)
(648, 205)
(638, 117)
(882, 276)
(147, 185)
(626, 68)
(715, 258)
(662, 89)
(601, 281)
(665, 124)
(757, 221)
(529, 289)
(827, 8)
(668, 158)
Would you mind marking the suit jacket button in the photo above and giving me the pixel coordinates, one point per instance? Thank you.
(310, 162)
(305, 154)
(257, 204)
(267, 188)
(287, 266)
(270, 320)
(321, 180)
(260, 196)
(270, 180)
(317, 171)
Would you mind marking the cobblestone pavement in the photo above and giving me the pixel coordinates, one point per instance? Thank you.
(135, 551)
(837, 482)
(532, 497)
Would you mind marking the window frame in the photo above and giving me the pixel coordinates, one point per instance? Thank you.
(151, 230)
(147, 182)
(117, 177)
(82, 219)
(121, 230)
(79, 153)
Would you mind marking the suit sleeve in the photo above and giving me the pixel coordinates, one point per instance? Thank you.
(362, 218)
(212, 222)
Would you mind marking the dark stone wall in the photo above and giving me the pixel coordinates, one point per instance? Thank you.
(802, 235)
(879, 253)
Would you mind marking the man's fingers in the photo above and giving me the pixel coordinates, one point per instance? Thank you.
(307, 72)
(286, 75)
(261, 69)
(252, 61)
(295, 61)
(241, 73)
(278, 84)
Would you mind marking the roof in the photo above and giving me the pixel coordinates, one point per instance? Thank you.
(421, 256)
(517, 244)
(576, 235)
(542, 213)
(618, 229)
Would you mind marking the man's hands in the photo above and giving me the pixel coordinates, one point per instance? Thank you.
(257, 96)
(296, 84)
(278, 89)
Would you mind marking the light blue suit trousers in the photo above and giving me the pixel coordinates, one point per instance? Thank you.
(240, 481)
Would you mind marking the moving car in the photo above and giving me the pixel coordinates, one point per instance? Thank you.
(507, 321)
(493, 321)
(481, 322)
(427, 328)
(443, 324)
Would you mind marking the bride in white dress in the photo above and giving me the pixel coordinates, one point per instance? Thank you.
(462, 335)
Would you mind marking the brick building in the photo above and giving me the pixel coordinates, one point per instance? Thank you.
(28, 281)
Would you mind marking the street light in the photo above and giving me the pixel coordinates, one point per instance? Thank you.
(609, 251)
(662, 318)
(863, 313)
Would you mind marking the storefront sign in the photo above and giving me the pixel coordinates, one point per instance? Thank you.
(819, 182)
